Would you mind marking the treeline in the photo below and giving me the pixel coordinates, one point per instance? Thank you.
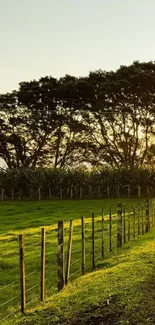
(103, 119)
(42, 183)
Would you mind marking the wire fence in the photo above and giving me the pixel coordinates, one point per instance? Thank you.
(36, 266)
(78, 191)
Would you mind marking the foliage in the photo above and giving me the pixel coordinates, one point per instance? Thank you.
(76, 183)
(103, 119)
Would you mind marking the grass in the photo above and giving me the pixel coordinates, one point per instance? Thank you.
(122, 292)
(18, 217)
(28, 218)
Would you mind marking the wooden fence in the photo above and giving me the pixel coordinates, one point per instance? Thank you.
(77, 192)
(35, 266)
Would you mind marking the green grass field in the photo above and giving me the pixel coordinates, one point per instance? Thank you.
(28, 218)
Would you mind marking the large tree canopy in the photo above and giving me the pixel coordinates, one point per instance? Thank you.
(104, 119)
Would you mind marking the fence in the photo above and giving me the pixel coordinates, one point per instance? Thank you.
(77, 192)
(36, 265)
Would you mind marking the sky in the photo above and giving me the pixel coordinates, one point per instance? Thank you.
(58, 37)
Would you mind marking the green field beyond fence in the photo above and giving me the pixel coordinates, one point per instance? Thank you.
(37, 264)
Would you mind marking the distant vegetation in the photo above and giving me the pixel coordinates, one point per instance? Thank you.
(103, 119)
(77, 183)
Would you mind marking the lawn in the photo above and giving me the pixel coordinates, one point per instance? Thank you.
(28, 218)
(121, 293)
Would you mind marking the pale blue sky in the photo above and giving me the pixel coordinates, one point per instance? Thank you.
(58, 37)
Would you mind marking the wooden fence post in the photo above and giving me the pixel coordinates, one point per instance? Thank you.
(22, 273)
(119, 225)
(129, 226)
(102, 233)
(134, 223)
(147, 216)
(71, 191)
(83, 245)
(69, 252)
(60, 193)
(20, 194)
(153, 212)
(138, 221)
(124, 224)
(2, 194)
(12, 194)
(42, 264)
(99, 192)
(142, 220)
(148, 191)
(60, 255)
(49, 192)
(93, 242)
(110, 231)
(39, 194)
(81, 194)
(90, 191)
(108, 191)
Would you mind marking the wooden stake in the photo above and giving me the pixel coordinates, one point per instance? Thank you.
(22, 273)
(147, 216)
(12, 194)
(93, 242)
(110, 231)
(129, 226)
(83, 245)
(138, 221)
(60, 255)
(42, 264)
(119, 225)
(124, 223)
(39, 194)
(102, 233)
(134, 223)
(2, 194)
(69, 252)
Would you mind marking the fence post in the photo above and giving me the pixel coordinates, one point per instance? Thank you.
(69, 252)
(20, 195)
(60, 255)
(39, 193)
(102, 233)
(49, 192)
(99, 192)
(124, 224)
(147, 216)
(110, 230)
(108, 191)
(81, 193)
(134, 223)
(42, 264)
(12, 194)
(60, 193)
(139, 191)
(138, 221)
(93, 242)
(142, 220)
(148, 191)
(153, 212)
(22, 273)
(129, 226)
(119, 225)
(90, 191)
(2, 194)
(83, 245)
(71, 191)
